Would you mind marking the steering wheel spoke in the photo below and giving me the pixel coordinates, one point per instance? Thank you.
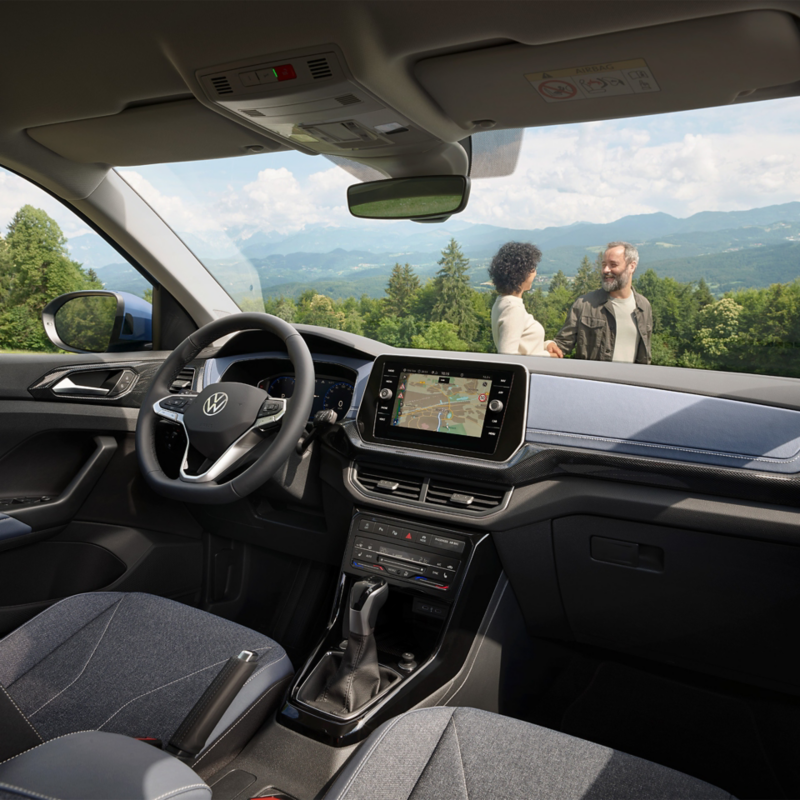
(174, 406)
(271, 413)
(226, 462)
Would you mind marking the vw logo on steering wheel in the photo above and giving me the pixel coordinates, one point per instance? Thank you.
(215, 403)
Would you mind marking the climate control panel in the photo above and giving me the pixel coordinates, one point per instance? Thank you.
(408, 553)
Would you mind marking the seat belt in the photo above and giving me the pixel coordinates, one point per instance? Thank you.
(17, 733)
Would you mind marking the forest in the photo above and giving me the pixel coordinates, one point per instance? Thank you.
(754, 330)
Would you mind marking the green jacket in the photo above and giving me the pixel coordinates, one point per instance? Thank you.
(591, 327)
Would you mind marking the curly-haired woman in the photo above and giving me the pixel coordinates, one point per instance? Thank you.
(514, 330)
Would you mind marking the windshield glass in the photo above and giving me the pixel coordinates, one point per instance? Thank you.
(701, 209)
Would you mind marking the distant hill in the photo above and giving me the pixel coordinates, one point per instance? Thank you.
(740, 269)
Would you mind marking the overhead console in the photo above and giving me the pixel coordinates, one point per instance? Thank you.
(309, 99)
(449, 406)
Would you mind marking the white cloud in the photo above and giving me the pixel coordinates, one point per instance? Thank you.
(279, 201)
(16, 192)
(602, 171)
(178, 213)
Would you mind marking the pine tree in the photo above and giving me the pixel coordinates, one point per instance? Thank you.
(558, 281)
(401, 290)
(587, 279)
(453, 303)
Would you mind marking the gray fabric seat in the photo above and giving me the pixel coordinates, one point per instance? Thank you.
(135, 664)
(98, 766)
(462, 753)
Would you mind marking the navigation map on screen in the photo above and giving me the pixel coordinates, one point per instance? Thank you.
(444, 404)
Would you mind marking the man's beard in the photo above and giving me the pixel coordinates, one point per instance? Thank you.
(618, 282)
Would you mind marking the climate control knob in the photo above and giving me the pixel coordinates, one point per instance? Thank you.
(495, 406)
(385, 394)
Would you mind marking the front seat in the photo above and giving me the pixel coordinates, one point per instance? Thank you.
(461, 753)
(134, 664)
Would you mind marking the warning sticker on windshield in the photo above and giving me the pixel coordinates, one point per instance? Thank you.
(594, 81)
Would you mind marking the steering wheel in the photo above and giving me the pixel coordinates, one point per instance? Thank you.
(226, 422)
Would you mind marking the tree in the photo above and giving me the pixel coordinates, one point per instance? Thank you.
(317, 309)
(440, 336)
(282, 307)
(558, 281)
(454, 292)
(402, 289)
(40, 270)
(589, 276)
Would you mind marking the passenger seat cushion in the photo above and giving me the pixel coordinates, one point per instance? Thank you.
(462, 753)
(133, 664)
(99, 766)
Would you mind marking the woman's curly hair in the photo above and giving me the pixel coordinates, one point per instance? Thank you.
(512, 264)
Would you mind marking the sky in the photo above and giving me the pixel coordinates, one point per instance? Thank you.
(722, 159)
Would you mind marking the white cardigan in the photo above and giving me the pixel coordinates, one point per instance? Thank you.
(514, 330)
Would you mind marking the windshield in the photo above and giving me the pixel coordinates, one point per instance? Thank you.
(706, 201)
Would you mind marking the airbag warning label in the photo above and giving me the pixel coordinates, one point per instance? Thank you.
(595, 81)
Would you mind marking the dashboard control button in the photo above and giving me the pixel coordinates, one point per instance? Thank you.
(496, 406)
(446, 543)
(449, 564)
(365, 525)
(385, 394)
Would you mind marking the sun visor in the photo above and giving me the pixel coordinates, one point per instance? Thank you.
(694, 64)
(181, 130)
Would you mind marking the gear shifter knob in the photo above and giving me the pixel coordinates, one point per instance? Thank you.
(366, 600)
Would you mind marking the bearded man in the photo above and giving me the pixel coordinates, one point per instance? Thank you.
(613, 323)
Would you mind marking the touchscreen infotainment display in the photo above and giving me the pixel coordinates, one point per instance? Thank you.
(445, 405)
(441, 403)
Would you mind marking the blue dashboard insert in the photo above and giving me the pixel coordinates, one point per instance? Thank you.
(636, 420)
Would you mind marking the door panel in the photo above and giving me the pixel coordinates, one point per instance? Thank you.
(68, 470)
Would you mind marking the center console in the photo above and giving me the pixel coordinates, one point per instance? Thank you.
(439, 580)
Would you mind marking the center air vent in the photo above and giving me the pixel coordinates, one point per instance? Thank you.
(391, 484)
(319, 68)
(222, 85)
(467, 498)
(184, 380)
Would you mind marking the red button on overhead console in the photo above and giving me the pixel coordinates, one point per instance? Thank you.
(285, 72)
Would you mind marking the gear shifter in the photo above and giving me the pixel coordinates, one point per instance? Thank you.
(358, 677)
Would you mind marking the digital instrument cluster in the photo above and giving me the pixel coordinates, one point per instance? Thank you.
(329, 393)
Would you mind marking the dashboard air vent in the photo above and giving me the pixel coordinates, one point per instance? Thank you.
(252, 112)
(184, 380)
(347, 99)
(441, 493)
(319, 68)
(222, 85)
(406, 487)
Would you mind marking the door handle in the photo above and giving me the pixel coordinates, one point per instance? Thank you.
(67, 387)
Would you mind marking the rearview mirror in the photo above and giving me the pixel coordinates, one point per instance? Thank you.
(97, 321)
(429, 197)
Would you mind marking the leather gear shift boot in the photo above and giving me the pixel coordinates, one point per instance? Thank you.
(357, 679)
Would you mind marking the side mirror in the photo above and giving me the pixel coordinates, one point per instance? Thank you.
(97, 321)
(429, 198)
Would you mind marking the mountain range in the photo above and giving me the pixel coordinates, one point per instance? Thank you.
(357, 259)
